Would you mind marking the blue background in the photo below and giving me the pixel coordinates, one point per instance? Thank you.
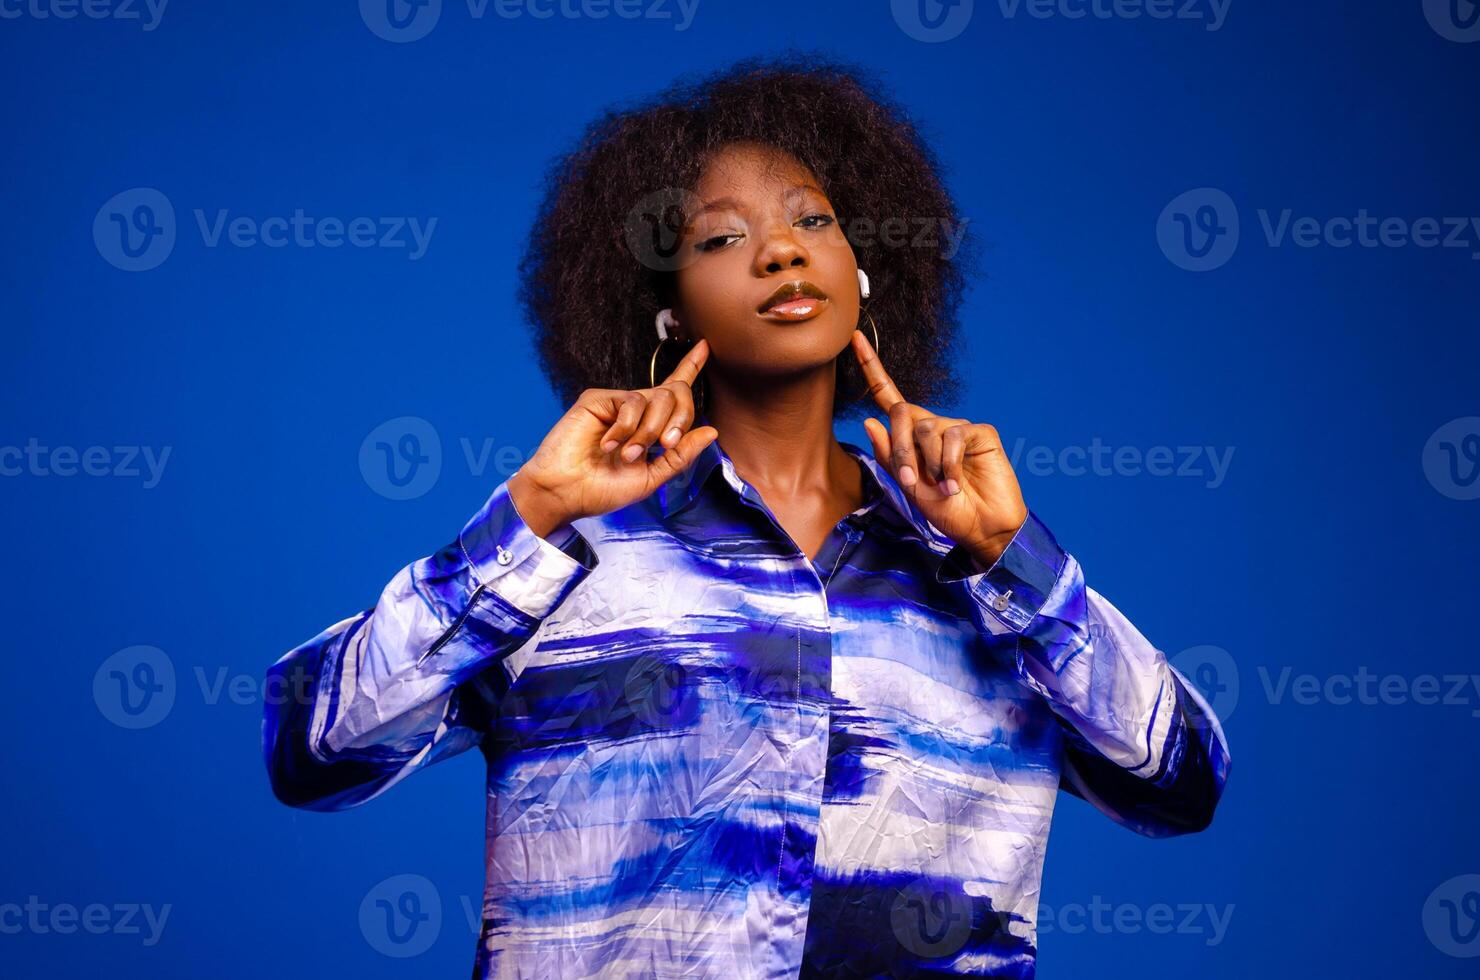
(1330, 546)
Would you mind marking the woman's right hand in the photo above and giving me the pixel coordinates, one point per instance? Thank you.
(582, 468)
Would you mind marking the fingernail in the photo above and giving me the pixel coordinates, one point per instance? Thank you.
(609, 445)
(907, 476)
(631, 453)
(952, 487)
(672, 434)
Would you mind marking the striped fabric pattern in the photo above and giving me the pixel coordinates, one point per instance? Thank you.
(708, 756)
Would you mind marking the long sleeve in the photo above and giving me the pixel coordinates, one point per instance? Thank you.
(405, 683)
(1142, 744)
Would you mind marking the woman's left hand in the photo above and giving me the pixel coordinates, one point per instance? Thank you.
(954, 470)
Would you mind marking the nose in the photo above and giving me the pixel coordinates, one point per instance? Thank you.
(781, 250)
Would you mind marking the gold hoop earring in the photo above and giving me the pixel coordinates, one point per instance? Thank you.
(872, 325)
(653, 377)
(875, 327)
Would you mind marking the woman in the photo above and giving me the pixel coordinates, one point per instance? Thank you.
(754, 702)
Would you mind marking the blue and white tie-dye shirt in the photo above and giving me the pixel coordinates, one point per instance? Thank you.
(709, 756)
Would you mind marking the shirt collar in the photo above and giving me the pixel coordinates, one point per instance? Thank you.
(677, 492)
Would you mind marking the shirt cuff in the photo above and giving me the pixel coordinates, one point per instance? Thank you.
(530, 573)
(1015, 588)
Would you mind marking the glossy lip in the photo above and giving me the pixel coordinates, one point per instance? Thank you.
(793, 290)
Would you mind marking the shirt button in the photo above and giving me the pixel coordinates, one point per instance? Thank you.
(1000, 603)
(504, 555)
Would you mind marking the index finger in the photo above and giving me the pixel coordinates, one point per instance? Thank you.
(880, 385)
(687, 369)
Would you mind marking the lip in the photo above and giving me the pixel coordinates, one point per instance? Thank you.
(794, 300)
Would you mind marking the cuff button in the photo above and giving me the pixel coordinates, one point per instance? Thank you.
(1001, 602)
(504, 555)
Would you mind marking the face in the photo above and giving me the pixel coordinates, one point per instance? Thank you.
(769, 279)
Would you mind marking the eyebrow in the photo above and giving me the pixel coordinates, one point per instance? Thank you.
(720, 203)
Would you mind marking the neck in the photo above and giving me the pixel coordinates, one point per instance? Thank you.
(780, 437)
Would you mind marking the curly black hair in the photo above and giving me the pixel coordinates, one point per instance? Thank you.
(591, 292)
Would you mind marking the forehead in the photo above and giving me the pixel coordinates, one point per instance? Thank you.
(753, 168)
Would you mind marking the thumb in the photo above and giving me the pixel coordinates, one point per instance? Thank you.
(682, 456)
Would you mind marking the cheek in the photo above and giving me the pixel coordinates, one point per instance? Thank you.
(716, 290)
(834, 265)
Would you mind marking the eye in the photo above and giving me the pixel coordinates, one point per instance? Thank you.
(816, 220)
(716, 242)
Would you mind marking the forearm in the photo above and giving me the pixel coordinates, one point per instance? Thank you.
(1118, 697)
(379, 688)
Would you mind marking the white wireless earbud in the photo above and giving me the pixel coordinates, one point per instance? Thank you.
(664, 320)
(863, 284)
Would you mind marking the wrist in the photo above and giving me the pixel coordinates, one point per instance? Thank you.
(533, 505)
(985, 554)
(988, 550)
